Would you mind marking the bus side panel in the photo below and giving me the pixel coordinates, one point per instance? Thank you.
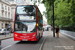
(40, 23)
(36, 23)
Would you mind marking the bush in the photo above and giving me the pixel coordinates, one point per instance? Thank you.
(70, 28)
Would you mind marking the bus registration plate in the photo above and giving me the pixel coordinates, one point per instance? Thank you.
(24, 40)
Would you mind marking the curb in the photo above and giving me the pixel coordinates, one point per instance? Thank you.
(41, 47)
(69, 36)
(6, 37)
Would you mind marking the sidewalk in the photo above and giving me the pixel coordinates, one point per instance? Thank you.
(7, 35)
(69, 34)
(61, 43)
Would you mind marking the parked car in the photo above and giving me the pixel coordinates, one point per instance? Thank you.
(46, 28)
(4, 31)
(11, 31)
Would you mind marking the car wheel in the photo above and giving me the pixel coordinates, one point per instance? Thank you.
(3, 33)
(47, 29)
(9, 33)
(43, 29)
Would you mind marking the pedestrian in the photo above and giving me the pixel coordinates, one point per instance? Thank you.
(57, 31)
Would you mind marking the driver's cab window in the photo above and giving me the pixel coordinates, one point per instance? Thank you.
(5, 30)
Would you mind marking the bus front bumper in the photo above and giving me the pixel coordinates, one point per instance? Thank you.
(25, 37)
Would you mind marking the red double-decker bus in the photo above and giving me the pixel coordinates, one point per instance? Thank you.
(28, 23)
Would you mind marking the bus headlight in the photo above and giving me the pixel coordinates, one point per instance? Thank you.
(1, 32)
(34, 35)
(16, 35)
(37, 24)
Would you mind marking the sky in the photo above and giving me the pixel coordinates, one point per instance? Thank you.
(42, 8)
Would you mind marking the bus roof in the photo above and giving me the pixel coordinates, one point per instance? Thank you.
(25, 5)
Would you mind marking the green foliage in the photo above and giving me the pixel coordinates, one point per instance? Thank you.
(64, 12)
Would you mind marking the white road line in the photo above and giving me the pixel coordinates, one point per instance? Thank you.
(43, 42)
(6, 47)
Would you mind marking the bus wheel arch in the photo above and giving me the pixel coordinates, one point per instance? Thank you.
(39, 37)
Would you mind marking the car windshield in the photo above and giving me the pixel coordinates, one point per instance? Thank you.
(0, 29)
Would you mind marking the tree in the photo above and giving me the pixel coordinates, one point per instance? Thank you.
(64, 12)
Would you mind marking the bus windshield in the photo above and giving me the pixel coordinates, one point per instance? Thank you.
(25, 27)
(26, 12)
(26, 9)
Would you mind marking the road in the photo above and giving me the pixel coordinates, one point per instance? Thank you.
(10, 44)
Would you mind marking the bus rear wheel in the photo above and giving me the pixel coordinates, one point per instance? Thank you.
(39, 37)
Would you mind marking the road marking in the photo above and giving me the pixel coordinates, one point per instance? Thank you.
(6, 47)
(43, 43)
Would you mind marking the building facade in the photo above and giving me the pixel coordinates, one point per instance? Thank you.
(7, 10)
(5, 14)
(44, 22)
(21, 2)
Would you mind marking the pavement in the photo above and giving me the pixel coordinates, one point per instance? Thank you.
(7, 35)
(69, 34)
(61, 43)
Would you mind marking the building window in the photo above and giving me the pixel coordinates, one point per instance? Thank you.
(2, 13)
(5, 7)
(8, 15)
(28, 0)
(8, 9)
(2, 25)
(2, 6)
(9, 0)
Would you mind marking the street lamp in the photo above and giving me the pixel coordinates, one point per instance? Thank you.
(53, 21)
